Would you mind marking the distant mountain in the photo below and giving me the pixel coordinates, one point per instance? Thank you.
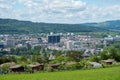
(17, 26)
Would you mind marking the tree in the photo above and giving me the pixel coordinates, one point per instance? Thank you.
(3, 53)
(117, 58)
(112, 52)
(75, 55)
(37, 48)
(4, 59)
(95, 58)
(84, 63)
(104, 54)
(58, 53)
(5, 69)
(12, 51)
(38, 58)
(61, 59)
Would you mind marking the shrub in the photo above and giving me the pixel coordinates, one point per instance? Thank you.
(4, 69)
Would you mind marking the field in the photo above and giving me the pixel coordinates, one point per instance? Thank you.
(94, 74)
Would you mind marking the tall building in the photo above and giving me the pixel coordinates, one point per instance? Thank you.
(53, 39)
(10, 42)
(69, 44)
(1, 46)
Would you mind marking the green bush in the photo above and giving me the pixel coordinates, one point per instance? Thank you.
(74, 66)
(50, 69)
(62, 67)
(4, 69)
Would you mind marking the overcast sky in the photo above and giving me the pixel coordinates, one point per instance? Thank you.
(61, 11)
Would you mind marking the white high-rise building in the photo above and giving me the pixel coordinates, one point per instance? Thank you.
(69, 44)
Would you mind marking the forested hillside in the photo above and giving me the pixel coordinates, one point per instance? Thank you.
(16, 26)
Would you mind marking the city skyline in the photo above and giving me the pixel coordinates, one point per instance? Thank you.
(61, 11)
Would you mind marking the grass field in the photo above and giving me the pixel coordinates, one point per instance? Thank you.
(94, 74)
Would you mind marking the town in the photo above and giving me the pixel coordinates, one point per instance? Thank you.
(57, 51)
(57, 41)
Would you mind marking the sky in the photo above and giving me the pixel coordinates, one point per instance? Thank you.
(61, 11)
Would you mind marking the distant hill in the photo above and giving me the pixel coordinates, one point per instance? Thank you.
(113, 25)
(17, 26)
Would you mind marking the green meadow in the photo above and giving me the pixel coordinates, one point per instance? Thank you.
(93, 74)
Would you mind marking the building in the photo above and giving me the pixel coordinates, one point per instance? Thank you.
(36, 67)
(1, 46)
(69, 44)
(109, 38)
(108, 62)
(10, 42)
(40, 40)
(116, 38)
(17, 68)
(55, 66)
(53, 39)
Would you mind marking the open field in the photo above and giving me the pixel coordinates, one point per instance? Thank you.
(94, 74)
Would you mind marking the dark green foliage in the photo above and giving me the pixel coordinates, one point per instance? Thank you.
(38, 58)
(75, 55)
(7, 59)
(61, 59)
(104, 55)
(108, 25)
(37, 48)
(95, 58)
(74, 66)
(12, 26)
(118, 56)
(4, 69)
(20, 51)
(3, 53)
(110, 53)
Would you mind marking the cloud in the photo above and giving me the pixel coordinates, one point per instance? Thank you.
(67, 6)
(60, 11)
(106, 13)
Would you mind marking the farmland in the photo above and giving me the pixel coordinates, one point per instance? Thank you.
(93, 74)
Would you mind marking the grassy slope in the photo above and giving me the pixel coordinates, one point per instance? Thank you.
(94, 74)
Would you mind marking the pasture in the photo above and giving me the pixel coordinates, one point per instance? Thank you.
(93, 74)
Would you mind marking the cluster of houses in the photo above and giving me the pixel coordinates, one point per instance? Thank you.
(13, 67)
